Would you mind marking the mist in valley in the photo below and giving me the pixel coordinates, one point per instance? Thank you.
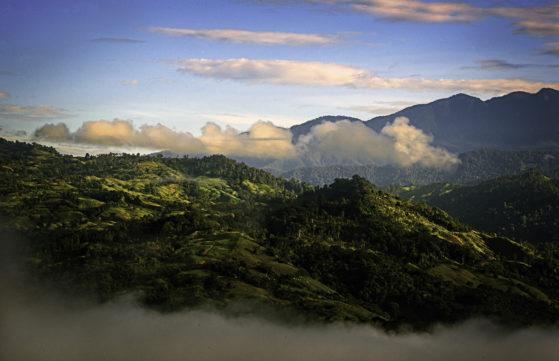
(40, 324)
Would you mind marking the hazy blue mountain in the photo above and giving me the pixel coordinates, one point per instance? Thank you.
(460, 123)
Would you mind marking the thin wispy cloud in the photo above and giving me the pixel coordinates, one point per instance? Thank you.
(286, 72)
(117, 40)
(134, 82)
(540, 21)
(4, 95)
(32, 112)
(251, 37)
(498, 64)
(7, 73)
(551, 48)
(382, 108)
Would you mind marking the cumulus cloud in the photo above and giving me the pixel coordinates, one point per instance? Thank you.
(412, 146)
(346, 142)
(287, 72)
(253, 37)
(342, 142)
(134, 82)
(53, 132)
(262, 140)
(4, 95)
(32, 112)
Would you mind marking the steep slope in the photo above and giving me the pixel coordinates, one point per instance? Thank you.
(207, 232)
(523, 207)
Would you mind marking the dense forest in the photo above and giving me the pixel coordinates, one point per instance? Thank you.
(210, 232)
(523, 207)
(474, 167)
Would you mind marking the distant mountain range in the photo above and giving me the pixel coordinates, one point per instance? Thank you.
(516, 121)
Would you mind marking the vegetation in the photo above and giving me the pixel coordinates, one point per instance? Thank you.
(474, 167)
(189, 232)
(523, 207)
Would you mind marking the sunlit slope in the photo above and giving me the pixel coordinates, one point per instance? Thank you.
(185, 232)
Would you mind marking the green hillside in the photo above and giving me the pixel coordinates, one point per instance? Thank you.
(522, 207)
(211, 232)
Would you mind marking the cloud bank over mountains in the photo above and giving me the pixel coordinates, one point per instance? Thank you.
(342, 142)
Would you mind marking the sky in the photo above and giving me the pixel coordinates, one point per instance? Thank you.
(191, 69)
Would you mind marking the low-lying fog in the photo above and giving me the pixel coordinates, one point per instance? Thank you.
(37, 325)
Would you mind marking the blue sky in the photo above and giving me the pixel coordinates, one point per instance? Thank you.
(183, 64)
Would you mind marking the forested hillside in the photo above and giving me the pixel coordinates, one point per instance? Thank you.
(474, 167)
(522, 207)
(211, 232)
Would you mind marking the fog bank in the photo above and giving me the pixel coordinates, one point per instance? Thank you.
(55, 330)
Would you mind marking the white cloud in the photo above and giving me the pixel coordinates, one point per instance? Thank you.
(254, 37)
(134, 82)
(274, 71)
(412, 10)
(262, 140)
(346, 142)
(413, 146)
(4, 95)
(288, 72)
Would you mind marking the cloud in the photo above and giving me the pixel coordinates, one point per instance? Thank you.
(32, 112)
(342, 142)
(53, 132)
(381, 108)
(498, 64)
(287, 72)
(4, 95)
(413, 146)
(551, 48)
(274, 71)
(346, 142)
(412, 10)
(540, 21)
(263, 140)
(253, 37)
(9, 73)
(116, 40)
(134, 82)
(52, 327)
